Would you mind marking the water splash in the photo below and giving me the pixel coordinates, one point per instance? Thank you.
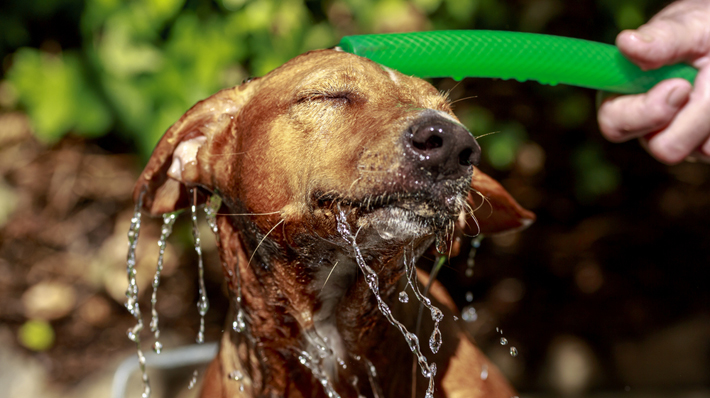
(132, 292)
(428, 370)
(165, 231)
(203, 304)
(435, 339)
(314, 365)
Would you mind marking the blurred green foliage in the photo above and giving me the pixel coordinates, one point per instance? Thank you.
(132, 68)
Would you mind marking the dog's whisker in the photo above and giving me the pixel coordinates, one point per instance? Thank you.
(248, 214)
(262, 241)
(462, 99)
(353, 184)
(329, 274)
(478, 137)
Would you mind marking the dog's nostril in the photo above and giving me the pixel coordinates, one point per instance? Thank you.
(466, 157)
(432, 142)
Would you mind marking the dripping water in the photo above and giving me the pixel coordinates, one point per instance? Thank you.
(436, 314)
(213, 205)
(427, 369)
(471, 260)
(237, 376)
(193, 380)
(166, 229)
(372, 378)
(203, 303)
(314, 365)
(132, 292)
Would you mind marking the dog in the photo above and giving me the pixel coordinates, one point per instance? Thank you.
(328, 164)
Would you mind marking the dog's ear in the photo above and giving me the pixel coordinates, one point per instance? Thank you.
(495, 210)
(183, 157)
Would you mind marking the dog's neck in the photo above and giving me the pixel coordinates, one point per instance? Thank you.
(300, 303)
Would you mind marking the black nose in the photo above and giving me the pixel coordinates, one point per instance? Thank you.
(442, 148)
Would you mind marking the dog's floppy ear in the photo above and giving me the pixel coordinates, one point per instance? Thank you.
(495, 210)
(182, 157)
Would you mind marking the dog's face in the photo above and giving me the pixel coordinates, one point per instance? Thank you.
(327, 130)
(330, 130)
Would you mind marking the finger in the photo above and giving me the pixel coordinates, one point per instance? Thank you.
(625, 117)
(680, 32)
(689, 129)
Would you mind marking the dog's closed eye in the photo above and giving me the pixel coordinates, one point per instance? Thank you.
(336, 96)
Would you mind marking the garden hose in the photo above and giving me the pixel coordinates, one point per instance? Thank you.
(511, 55)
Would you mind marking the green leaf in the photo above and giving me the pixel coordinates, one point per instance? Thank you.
(56, 96)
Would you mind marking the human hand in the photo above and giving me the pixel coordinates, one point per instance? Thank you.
(672, 120)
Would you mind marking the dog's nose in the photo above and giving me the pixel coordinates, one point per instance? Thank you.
(443, 148)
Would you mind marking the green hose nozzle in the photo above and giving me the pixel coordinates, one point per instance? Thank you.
(511, 55)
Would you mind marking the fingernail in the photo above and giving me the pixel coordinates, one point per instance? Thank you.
(676, 97)
(644, 37)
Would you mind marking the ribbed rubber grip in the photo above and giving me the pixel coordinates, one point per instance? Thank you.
(511, 55)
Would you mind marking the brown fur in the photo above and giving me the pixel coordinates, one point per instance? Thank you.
(322, 132)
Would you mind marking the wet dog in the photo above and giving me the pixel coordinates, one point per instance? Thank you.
(334, 175)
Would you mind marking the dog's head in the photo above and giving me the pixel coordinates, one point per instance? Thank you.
(330, 131)
(327, 139)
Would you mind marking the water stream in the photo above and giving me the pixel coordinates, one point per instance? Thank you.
(165, 231)
(427, 369)
(203, 304)
(132, 292)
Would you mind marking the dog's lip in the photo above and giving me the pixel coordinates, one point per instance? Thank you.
(419, 203)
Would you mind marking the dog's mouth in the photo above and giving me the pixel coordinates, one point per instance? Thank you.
(401, 215)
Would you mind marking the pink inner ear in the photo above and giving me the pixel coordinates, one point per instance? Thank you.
(498, 212)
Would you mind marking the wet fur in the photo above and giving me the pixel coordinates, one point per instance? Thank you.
(319, 135)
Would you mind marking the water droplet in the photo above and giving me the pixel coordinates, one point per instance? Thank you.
(456, 318)
(158, 347)
(469, 296)
(469, 272)
(403, 297)
(193, 381)
(238, 325)
(484, 372)
(469, 314)
(513, 352)
(476, 242)
(503, 341)
(236, 375)
(471, 262)
(435, 340)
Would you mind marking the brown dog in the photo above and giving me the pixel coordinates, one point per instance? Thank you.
(326, 148)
